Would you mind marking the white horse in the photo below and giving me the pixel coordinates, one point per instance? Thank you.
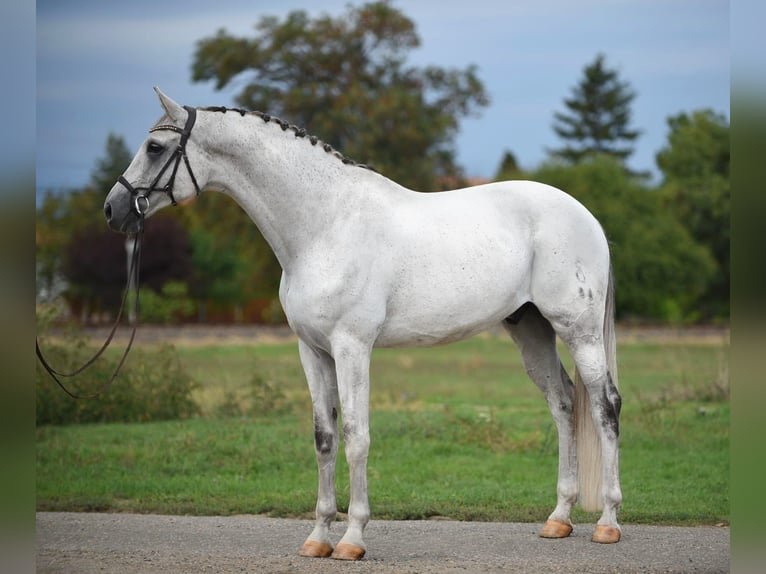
(367, 262)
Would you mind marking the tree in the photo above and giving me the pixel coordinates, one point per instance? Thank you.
(509, 168)
(695, 168)
(109, 168)
(74, 220)
(215, 271)
(598, 116)
(233, 264)
(73, 242)
(345, 79)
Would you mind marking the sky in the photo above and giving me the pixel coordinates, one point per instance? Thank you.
(97, 61)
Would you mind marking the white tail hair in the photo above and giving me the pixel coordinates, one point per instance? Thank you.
(587, 440)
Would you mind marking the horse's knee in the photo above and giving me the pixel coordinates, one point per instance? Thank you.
(357, 443)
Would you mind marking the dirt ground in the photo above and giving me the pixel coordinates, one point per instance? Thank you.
(86, 543)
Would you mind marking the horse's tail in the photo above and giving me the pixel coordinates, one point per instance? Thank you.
(586, 437)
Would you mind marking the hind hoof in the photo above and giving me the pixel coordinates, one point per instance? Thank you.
(556, 529)
(315, 549)
(344, 551)
(606, 534)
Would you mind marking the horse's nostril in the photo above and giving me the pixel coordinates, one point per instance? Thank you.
(108, 212)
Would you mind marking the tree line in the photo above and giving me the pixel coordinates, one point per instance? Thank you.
(347, 80)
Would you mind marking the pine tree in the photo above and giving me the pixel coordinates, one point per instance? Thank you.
(598, 116)
(509, 167)
(116, 160)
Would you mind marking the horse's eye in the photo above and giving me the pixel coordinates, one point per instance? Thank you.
(154, 148)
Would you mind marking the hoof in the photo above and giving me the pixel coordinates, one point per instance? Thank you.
(315, 549)
(556, 529)
(606, 534)
(345, 551)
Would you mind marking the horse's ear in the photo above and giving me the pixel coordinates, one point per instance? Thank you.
(174, 111)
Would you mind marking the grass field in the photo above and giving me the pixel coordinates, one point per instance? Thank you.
(457, 431)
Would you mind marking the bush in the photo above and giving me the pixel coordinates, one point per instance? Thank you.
(151, 386)
(259, 398)
(170, 305)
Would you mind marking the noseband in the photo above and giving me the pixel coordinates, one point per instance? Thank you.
(141, 194)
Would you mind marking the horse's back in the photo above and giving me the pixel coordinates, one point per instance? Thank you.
(512, 217)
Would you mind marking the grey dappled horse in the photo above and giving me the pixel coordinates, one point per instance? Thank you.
(367, 262)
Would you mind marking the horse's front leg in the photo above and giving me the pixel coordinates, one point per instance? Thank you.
(320, 374)
(352, 359)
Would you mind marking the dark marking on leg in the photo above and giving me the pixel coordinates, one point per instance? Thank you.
(590, 294)
(515, 317)
(323, 441)
(569, 388)
(582, 292)
(613, 393)
(334, 414)
(611, 405)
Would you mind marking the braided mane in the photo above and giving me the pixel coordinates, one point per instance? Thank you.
(299, 132)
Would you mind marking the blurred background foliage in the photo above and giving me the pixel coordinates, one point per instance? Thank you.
(347, 80)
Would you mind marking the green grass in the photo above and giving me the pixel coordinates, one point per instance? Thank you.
(457, 431)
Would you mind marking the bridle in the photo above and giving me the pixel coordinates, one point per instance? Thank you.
(140, 195)
(141, 204)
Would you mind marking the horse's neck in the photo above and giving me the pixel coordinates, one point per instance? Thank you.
(291, 189)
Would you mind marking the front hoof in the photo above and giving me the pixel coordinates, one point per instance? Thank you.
(315, 549)
(605, 534)
(556, 529)
(344, 551)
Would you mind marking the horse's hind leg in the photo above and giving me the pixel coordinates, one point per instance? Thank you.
(590, 358)
(320, 374)
(536, 339)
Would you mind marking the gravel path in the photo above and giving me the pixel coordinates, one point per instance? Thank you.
(132, 544)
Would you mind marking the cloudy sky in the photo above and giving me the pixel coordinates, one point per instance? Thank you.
(97, 61)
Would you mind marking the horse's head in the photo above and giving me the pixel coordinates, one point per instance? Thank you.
(160, 173)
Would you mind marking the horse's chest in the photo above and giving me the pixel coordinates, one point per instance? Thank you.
(318, 299)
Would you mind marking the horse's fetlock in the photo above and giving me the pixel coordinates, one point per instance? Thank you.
(360, 513)
(613, 497)
(326, 510)
(568, 492)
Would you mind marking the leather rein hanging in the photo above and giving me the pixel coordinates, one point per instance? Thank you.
(140, 207)
(135, 263)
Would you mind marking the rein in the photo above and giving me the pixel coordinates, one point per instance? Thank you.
(135, 264)
(140, 206)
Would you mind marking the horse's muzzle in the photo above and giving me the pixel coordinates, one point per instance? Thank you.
(120, 216)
